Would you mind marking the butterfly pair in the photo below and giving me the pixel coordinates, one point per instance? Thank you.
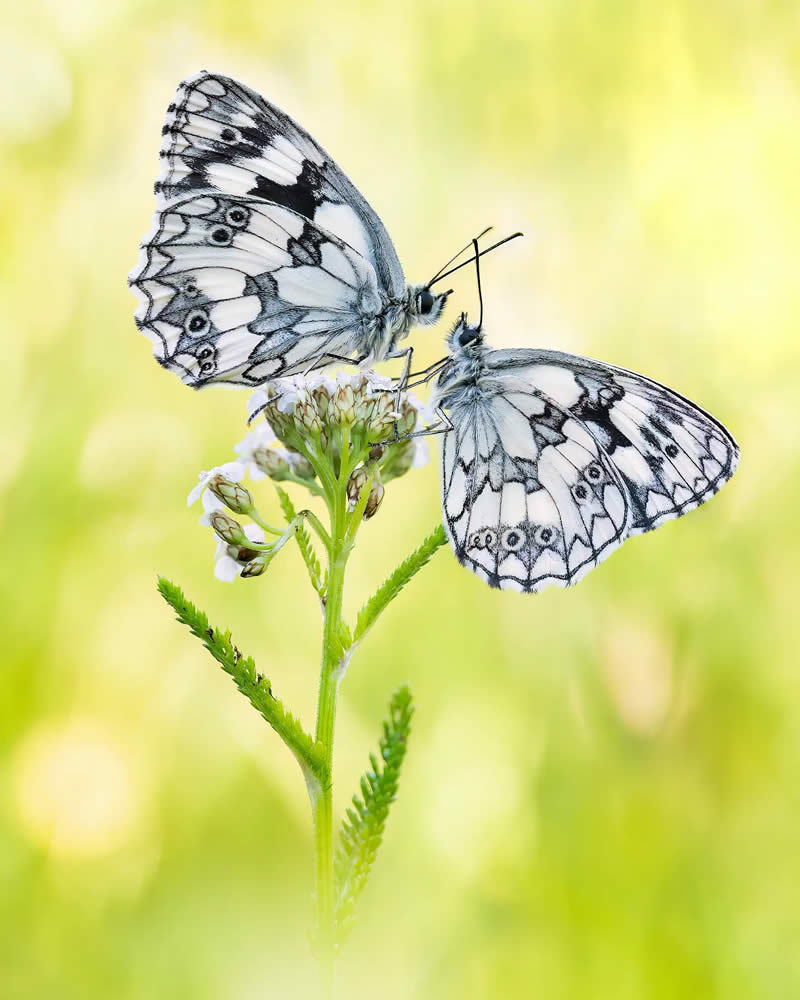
(264, 260)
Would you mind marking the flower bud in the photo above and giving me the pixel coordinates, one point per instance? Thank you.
(343, 406)
(374, 499)
(306, 417)
(301, 466)
(407, 420)
(272, 462)
(383, 415)
(255, 567)
(242, 553)
(227, 529)
(280, 422)
(233, 495)
(399, 460)
(322, 401)
(356, 483)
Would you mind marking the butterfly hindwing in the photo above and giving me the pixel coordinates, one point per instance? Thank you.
(235, 289)
(530, 499)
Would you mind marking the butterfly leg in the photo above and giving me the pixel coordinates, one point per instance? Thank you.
(328, 359)
(402, 382)
(424, 375)
(442, 419)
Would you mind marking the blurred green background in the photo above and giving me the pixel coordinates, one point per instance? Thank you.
(602, 791)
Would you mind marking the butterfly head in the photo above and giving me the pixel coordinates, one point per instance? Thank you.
(425, 306)
(465, 338)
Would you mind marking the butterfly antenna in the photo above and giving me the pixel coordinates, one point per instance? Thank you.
(444, 267)
(478, 276)
(483, 253)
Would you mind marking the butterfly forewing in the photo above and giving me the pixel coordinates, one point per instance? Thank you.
(263, 258)
(236, 289)
(222, 136)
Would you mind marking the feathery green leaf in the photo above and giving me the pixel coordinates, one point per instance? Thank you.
(362, 829)
(304, 543)
(249, 681)
(391, 587)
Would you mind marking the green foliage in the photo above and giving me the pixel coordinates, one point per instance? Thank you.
(249, 681)
(392, 586)
(304, 544)
(362, 829)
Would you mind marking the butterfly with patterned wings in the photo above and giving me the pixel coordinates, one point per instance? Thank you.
(264, 260)
(551, 460)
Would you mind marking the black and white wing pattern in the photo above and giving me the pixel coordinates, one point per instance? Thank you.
(554, 460)
(263, 255)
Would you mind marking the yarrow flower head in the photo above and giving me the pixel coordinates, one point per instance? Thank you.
(310, 430)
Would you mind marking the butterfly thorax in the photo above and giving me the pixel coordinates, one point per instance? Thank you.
(463, 382)
(384, 330)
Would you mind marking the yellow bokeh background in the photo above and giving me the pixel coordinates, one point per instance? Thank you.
(601, 791)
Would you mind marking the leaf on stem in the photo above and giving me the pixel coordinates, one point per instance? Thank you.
(304, 544)
(249, 681)
(362, 829)
(391, 587)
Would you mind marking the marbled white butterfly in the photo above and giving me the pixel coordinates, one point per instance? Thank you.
(551, 460)
(264, 259)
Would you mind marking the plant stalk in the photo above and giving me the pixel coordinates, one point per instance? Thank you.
(322, 803)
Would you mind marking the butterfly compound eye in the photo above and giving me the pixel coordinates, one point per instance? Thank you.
(468, 335)
(425, 302)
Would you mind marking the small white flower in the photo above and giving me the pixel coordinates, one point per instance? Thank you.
(231, 470)
(210, 504)
(225, 566)
(425, 413)
(321, 380)
(290, 395)
(376, 383)
(262, 436)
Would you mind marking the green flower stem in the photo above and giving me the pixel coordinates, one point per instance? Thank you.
(318, 526)
(264, 525)
(339, 547)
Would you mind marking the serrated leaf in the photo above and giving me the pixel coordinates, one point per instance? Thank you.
(304, 543)
(392, 586)
(249, 681)
(362, 829)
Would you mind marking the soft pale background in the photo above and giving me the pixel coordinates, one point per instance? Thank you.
(602, 790)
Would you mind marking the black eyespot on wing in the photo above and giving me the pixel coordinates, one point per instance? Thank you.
(237, 216)
(594, 472)
(513, 539)
(196, 322)
(581, 492)
(221, 236)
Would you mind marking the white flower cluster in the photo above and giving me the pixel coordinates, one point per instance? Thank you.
(290, 410)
